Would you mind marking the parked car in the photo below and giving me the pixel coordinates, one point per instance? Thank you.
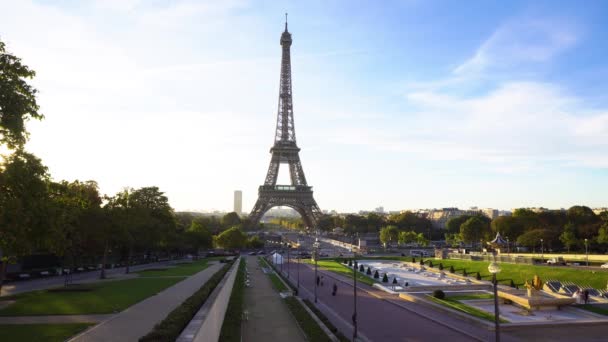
(604, 265)
(556, 261)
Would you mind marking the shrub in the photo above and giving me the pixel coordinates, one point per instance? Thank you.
(376, 275)
(478, 276)
(438, 294)
(512, 283)
(413, 259)
(369, 270)
(361, 268)
(395, 280)
(356, 264)
(452, 269)
(344, 261)
(440, 266)
(464, 272)
(385, 278)
(431, 263)
(421, 262)
(350, 262)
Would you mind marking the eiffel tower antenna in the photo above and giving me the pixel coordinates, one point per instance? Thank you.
(298, 195)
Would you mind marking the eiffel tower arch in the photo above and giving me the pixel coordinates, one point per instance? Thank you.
(297, 195)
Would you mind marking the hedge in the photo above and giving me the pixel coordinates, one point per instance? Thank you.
(169, 329)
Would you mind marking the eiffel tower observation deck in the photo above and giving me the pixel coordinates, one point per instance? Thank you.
(297, 195)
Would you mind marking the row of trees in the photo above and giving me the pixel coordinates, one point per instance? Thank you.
(557, 228)
(72, 220)
(392, 234)
(373, 222)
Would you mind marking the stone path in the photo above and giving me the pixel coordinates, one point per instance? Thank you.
(267, 318)
(139, 319)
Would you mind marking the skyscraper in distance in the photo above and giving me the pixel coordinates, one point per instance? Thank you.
(238, 201)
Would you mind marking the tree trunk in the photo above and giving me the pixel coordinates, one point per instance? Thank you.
(104, 260)
(129, 260)
(2, 274)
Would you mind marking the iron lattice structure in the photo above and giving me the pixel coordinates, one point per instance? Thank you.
(298, 195)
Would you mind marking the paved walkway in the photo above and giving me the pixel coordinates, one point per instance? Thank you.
(55, 319)
(139, 319)
(269, 318)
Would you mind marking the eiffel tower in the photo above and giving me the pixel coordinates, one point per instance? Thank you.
(298, 195)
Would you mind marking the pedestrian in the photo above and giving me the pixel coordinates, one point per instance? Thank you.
(321, 280)
(335, 289)
(586, 296)
(318, 279)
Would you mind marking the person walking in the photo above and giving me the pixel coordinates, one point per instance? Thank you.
(586, 296)
(318, 280)
(321, 280)
(335, 289)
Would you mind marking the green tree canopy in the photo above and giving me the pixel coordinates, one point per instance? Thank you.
(17, 99)
(453, 224)
(474, 229)
(389, 234)
(568, 236)
(231, 219)
(231, 238)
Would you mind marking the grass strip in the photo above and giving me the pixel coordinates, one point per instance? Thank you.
(170, 328)
(102, 298)
(231, 328)
(311, 328)
(343, 270)
(594, 309)
(456, 305)
(40, 332)
(326, 321)
(183, 269)
(274, 278)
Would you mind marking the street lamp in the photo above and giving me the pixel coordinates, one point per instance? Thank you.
(587, 251)
(494, 268)
(315, 251)
(354, 289)
(508, 246)
(299, 256)
(288, 260)
(542, 252)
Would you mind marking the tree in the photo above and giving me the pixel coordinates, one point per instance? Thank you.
(568, 237)
(17, 99)
(474, 229)
(255, 242)
(230, 220)
(23, 207)
(232, 238)
(388, 234)
(421, 240)
(507, 226)
(454, 223)
(407, 237)
(602, 235)
(199, 236)
(532, 238)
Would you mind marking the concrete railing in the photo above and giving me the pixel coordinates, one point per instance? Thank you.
(206, 325)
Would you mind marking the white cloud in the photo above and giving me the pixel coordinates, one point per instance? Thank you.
(523, 40)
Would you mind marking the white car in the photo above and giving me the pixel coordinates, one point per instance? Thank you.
(604, 265)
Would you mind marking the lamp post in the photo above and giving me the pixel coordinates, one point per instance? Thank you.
(542, 252)
(586, 252)
(508, 246)
(495, 269)
(354, 291)
(299, 256)
(315, 251)
(282, 259)
(288, 260)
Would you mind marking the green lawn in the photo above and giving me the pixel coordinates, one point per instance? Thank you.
(520, 272)
(39, 332)
(450, 302)
(105, 297)
(336, 267)
(183, 269)
(594, 308)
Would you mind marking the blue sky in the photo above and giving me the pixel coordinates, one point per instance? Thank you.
(405, 104)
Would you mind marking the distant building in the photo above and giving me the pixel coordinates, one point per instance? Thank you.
(439, 217)
(379, 210)
(238, 201)
(491, 213)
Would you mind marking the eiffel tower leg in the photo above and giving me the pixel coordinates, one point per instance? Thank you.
(261, 206)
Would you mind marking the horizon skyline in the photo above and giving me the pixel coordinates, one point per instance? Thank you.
(408, 104)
